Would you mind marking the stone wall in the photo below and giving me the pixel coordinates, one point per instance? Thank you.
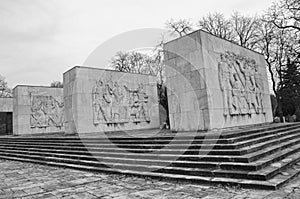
(37, 109)
(213, 83)
(104, 100)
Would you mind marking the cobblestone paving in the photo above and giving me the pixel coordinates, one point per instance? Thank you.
(26, 180)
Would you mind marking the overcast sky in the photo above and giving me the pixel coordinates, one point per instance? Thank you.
(41, 39)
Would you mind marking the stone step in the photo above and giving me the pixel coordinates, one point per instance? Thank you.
(282, 137)
(264, 174)
(209, 144)
(262, 157)
(177, 148)
(245, 135)
(83, 150)
(167, 150)
(258, 130)
(274, 183)
(261, 134)
(160, 155)
(164, 167)
(254, 166)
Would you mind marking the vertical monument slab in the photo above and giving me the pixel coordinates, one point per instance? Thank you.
(214, 83)
(37, 109)
(100, 100)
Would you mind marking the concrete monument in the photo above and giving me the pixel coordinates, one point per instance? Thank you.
(38, 109)
(214, 83)
(104, 100)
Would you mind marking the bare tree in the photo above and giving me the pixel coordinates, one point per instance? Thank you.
(218, 25)
(266, 45)
(57, 84)
(179, 27)
(120, 62)
(5, 91)
(238, 28)
(245, 29)
(278, 46)
(136, 62)
(286, 14)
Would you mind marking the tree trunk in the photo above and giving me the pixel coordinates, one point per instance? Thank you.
(279, 108)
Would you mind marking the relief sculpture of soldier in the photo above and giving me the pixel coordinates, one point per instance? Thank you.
(249, 87)
(240, 85)
(38, 115)
(117, 104)
(46, 111)
(138, 104)
(54, 110)
(224, 79)
(99, 104)
(144, 101)
(237, 90)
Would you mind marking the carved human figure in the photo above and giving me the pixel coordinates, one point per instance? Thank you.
(55, 112)
(258, 90)
(114, 103)
(143, 97)
(117, 99)
(99, 103)
(38, 116)
(134, 105)
(254, 87)
(234, 92)
(46, 111)
(224, 81)
(236, 95)
(247, 92)
(239, 74)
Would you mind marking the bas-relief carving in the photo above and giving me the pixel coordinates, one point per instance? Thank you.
(240, 85)
(118, 104)
(46, 111)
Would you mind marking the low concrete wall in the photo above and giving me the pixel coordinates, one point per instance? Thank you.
(37, 109)
(104, 100)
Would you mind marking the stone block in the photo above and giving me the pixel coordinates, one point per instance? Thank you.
(37, 109)
(221, 74)
(106, 100)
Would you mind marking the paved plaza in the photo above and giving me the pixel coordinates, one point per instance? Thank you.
(26, 180)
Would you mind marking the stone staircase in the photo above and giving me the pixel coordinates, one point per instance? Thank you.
(264, 156)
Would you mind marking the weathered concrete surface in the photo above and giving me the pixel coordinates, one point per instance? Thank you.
(26, 180)
(99, 100)
(213, 83)
(37, 109)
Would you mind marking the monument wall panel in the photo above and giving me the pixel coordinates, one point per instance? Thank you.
(229, 81)
(100, 100)
(38, 109)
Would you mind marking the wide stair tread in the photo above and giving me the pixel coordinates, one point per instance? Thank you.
(180, 143)
(264, 157)
(168, 149)
(272, 184)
